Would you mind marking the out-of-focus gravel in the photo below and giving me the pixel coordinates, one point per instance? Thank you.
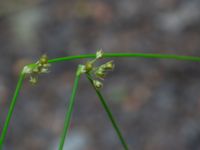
(156, 102)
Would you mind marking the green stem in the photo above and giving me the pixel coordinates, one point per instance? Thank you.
(125, 55)
(11, 109)
(69, 111)
(109, 113)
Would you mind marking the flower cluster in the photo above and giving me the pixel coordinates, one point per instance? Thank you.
(97, 73)
(33, 70)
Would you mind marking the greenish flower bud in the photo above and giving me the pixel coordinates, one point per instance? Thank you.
(44, 70)
(81, 69)
(46, 65)
(28, 68)
(100, 73)
(109, 65)
(33, 80)
(40, 65)
(97, 84)
(88, 66)
(43, 59)
(36, 70)
(99, 54)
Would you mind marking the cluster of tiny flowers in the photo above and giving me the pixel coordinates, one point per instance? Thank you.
(98, 73)
(33, 70)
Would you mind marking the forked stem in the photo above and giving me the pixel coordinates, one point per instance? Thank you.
(11, 109)
(109, 113)
(70, 110)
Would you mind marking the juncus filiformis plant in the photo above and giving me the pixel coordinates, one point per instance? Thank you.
(95, 74)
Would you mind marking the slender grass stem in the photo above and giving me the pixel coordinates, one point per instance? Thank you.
(69, 111)
(126, 55)
(11, 109)
(109, 113)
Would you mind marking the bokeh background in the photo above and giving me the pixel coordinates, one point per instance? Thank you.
(156, 102)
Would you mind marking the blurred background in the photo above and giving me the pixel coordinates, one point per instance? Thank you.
(156, 102)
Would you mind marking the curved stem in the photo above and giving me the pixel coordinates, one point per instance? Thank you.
(69, 111)
(109, 113)
(11, 109)
(126, 55)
